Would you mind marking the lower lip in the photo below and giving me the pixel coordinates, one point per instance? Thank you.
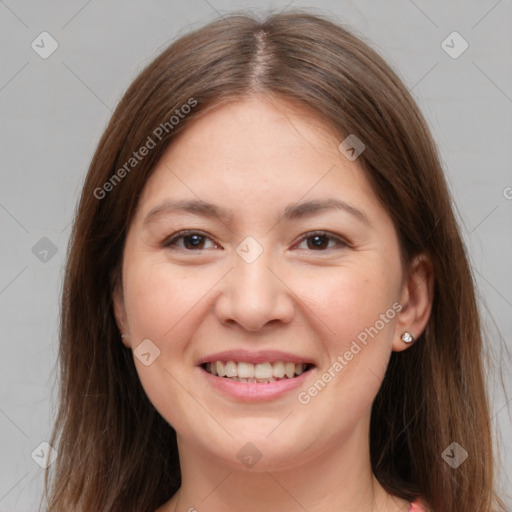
(254, 391)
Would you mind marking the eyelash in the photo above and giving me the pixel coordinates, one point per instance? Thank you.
(170, 242)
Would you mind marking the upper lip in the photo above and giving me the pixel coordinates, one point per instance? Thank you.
(261, 356)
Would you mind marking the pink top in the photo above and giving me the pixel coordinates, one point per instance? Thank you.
(416, 506)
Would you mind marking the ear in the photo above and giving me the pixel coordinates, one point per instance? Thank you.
(120, 313)
(416, 300)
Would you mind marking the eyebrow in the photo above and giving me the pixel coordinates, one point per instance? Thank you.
(293, 211)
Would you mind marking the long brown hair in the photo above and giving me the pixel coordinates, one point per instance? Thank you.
(116, 453)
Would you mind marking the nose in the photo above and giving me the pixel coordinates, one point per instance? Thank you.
(254, 295)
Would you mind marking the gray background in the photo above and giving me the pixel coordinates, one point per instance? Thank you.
(54, 110)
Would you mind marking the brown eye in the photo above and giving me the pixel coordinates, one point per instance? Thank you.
(192, 240)
(319, 241)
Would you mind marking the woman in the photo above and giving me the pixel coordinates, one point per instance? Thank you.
(267, 303)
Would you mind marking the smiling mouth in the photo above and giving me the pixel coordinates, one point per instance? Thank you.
(261, 373)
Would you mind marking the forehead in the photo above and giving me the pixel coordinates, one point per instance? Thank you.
(259, 124)
(256, 153)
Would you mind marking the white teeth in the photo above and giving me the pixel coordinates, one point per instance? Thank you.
(263, 371)
(260, 372)
(220, 369)
(278, 369)
(231, 369)
(246, 370)
(289, 369)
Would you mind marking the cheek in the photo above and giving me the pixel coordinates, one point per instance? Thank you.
(356, 306)
(350, 301)
(160, 304)
(158, 297)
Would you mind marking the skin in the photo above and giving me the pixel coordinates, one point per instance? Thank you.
(256, 156)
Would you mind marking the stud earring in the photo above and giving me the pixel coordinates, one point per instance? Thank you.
(407, 337)
(124, 335)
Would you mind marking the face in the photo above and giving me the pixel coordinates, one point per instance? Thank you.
(290, 282)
